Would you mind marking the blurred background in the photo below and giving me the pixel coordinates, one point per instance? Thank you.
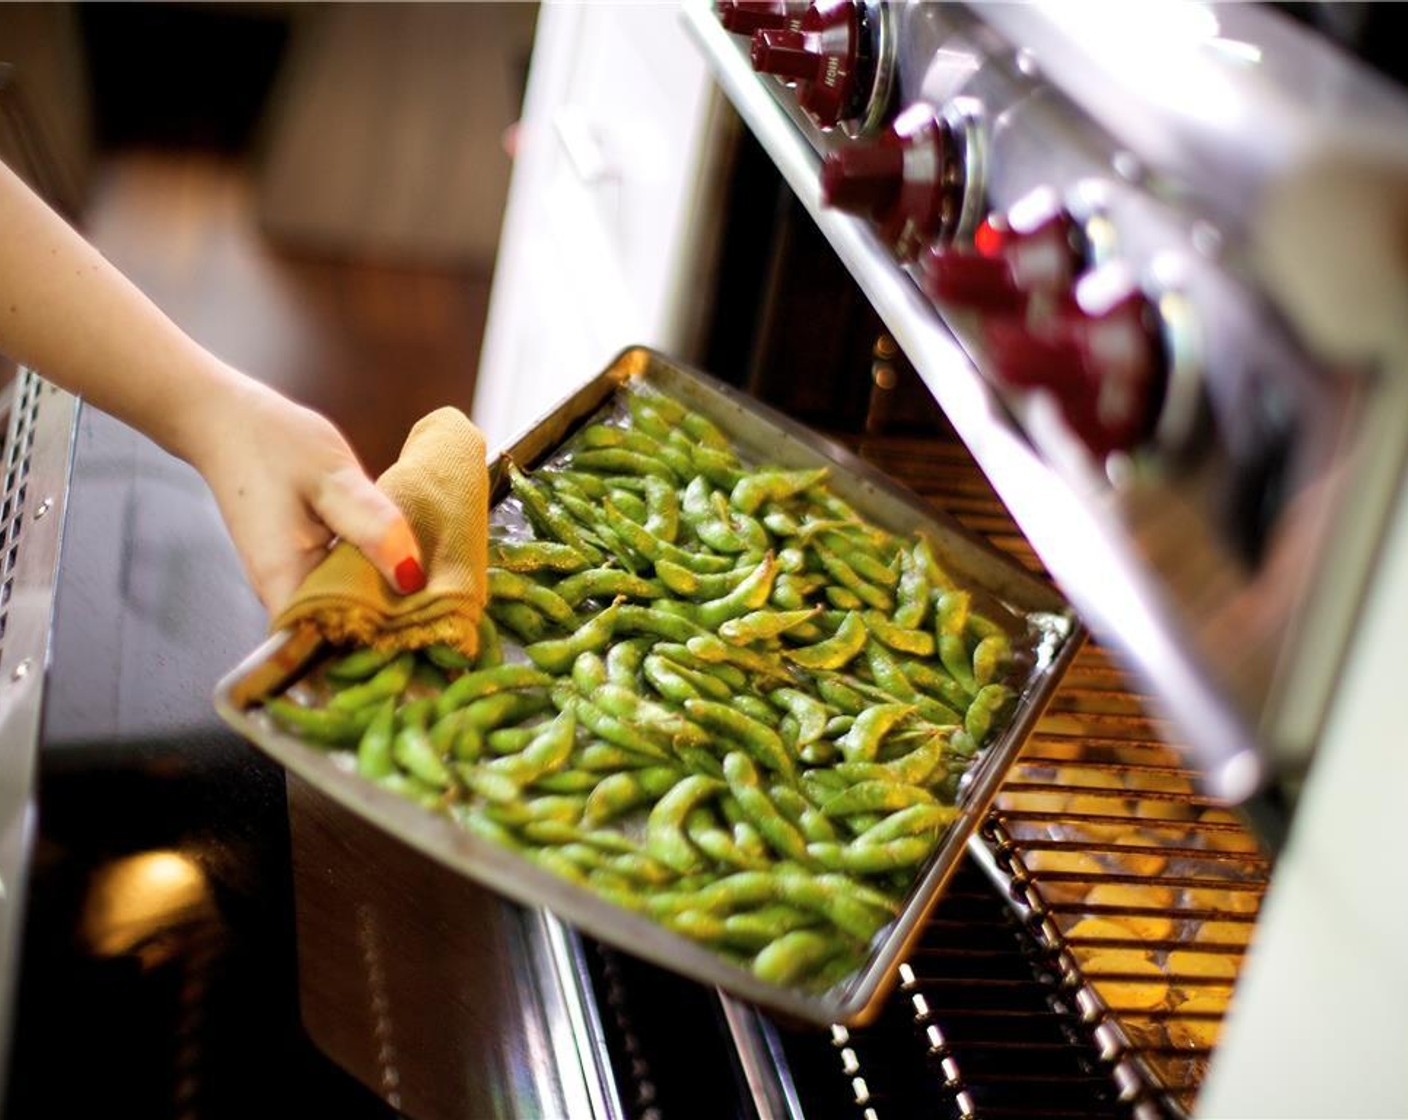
(313, 191)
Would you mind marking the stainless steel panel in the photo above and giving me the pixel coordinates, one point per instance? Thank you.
(38, 451)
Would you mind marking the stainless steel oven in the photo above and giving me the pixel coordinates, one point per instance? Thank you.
(1121, 288)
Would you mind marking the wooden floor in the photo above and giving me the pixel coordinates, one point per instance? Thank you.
(373, 347)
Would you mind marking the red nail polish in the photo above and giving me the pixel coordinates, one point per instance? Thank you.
(409, 577)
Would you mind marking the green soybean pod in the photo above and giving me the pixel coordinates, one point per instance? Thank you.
(588, 485)
(912, 593)
(632, 505)
(490, 712)
(753, 490)
(488, 784)
(987, 707)
(680, 655)
(705, 431)
(414, 753)
(847, 577)
(649, 717)
(387, 682)
(939, 580)
(546, 754)
(321, 725)
(863, 560)
(508, 740)
(811, 715)
(648, 418)
(358, 665)
(479, 683)
(872, 859)
(875, 797)
(862, 741)
(548, 515)
(413, 789)
(521, 620)
(607, 758)
(374, 758)
(755, 707)
(820, 753)
(536, 556)
(449, 734)
(840, 695)
(951, 609)
(758, 739)
(752, 930)
(780, 523)
(917, 643)
(705, 685)
(606, 583)
(491, 646)
(623, 661)
(749, 595)
(779, 833)
(510, 585)
(843, 598)
(588, 672)
(665, 837)
(991, 658)
(720, 655)
(555, 655)
(763, 624)
(567, 782)
(447, 658)
(662, 504)
(937, 683)
(617, 460)
(646, 620)
(668, 681)
(837, 650)
(953, 653)
(616, 731)
(924, 820)
(836, 897)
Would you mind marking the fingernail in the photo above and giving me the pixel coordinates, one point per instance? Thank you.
(409, 576)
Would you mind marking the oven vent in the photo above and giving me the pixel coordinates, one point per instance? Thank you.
(23, 416)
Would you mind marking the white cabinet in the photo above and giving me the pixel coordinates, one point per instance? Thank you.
(609, 219)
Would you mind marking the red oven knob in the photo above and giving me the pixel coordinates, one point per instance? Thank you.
(826, 56)
(907, 180)
(744, 17)
(1100, 355)
(1037, 246)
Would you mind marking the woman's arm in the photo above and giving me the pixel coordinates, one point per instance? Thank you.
(285, 479)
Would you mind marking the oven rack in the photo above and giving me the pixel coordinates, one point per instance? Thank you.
(1100, 821)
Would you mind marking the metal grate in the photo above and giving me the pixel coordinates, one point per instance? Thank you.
(23, 414)
(982, 1026)
(1144, 893)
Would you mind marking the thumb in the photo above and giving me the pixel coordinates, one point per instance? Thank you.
(353, 508)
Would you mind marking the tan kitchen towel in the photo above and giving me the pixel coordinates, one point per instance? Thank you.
(442, 486)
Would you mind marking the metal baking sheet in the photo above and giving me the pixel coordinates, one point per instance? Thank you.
(761, 435)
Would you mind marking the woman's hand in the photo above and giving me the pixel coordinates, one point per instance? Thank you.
(287, 484)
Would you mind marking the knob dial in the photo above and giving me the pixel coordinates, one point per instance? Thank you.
(1037, 247)
(908, 180)
(744, 17)
(1100, 354)
(828, 55)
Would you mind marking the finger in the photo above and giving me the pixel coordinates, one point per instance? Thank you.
(276, 589)
(353, 508)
